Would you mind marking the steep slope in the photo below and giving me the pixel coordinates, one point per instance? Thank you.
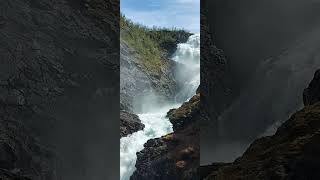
(58, 84)
(292, 153)
(146, 68)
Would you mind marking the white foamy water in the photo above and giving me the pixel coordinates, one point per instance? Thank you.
(188, 74)
(155, 121)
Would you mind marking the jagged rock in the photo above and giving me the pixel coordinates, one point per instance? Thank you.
(129, 123)
(176, 155)
(292, 153)
(311, 94)
(205, 171)
(183, 116)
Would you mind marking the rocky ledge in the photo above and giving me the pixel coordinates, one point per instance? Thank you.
(311, 94)
(292, 153)
(129, 123)
(183, 116)
(176, 155)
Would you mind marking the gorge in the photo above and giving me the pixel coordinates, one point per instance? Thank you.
(151, 87)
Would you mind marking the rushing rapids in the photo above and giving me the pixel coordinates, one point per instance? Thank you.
(155, 121)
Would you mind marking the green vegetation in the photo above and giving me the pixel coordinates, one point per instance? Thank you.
(151, 44)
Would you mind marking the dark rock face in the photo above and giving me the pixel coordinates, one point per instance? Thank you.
(216, 88)
(205, 171)
(129, 123)
(176, 155)
(58, 74)
(22, 157)
(216, 82)
(311, 94)
(292, 153)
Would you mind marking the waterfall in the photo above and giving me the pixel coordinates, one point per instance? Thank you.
(156, 124)
(188, 73)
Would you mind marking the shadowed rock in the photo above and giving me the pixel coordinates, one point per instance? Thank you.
(311, 94)
(292, 153)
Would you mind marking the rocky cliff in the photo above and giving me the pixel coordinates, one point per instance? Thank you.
(291, 153)
(216, 81)
(58, 76)
(216, 88)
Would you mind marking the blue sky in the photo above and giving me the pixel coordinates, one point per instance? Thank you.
(164, 13)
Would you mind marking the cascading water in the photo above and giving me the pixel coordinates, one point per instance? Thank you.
(155, 121)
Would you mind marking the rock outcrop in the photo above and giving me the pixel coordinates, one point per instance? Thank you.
(176, 155)
(58, 84)
(311, 94)
(129, 123)
(292, 153)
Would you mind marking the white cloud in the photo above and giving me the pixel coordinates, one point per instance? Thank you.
(177, 13)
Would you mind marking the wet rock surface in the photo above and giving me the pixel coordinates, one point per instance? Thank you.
(176, 155)
(58, 71)
(129, 123)
(133, 81)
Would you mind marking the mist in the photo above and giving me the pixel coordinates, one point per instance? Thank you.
(250, 31)
(273, 49)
